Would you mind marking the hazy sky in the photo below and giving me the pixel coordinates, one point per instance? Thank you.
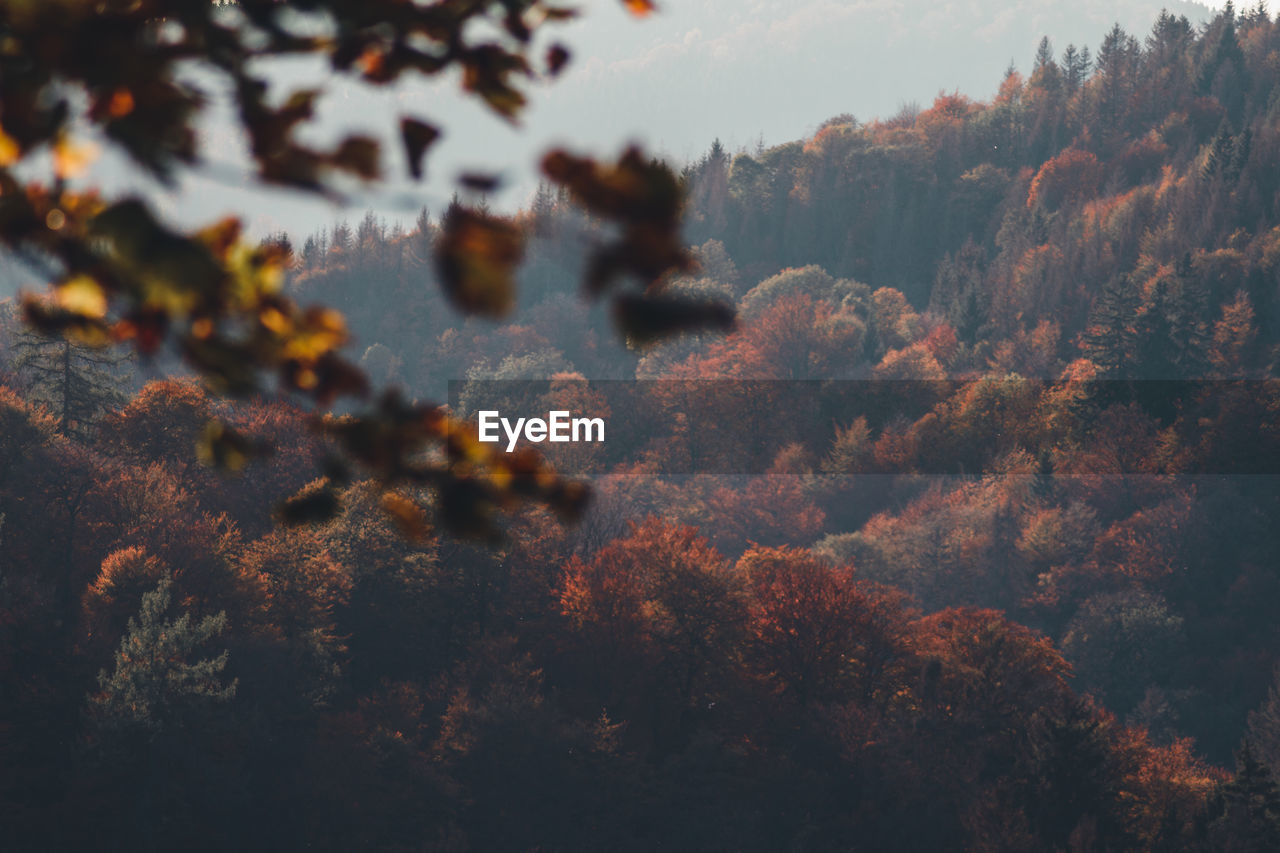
(740, 70)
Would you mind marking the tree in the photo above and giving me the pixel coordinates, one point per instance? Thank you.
(78, 384)
(1120, 643)
(1116, 78)
(817, 634)
(1111, 340)
(1263, 733)
(1244, 816)
(1044, 55)
(155, 681)
(655, 615)
(1076, 64)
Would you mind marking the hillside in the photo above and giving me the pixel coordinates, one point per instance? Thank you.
(961, 539)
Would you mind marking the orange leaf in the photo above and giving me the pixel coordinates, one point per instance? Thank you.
(640, 8)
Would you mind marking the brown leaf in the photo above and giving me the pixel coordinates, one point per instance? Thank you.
(557, 58)
(407, 514)
(487, 70)
(418, 137)
(644, 197)
(476, 256)
(480, 182)
(358, 155)
(647, 318)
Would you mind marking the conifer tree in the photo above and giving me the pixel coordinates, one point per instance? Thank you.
(1077, 63)
(75, 382)
(1044, 54)
(1245, 812)
(1264, 727)
(1110, 340)
(544, 203)
(154, 679)
(1221, 154)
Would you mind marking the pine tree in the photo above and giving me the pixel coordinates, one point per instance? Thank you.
(1240, 150)
(1189, 306)
(1111, 340)
(1221, 152)
(1159, 352)
(311, 253)
(421, 239)
(455, 205)
(153, 682)
(1224, 58)
(1117, 68)
(1264, 727)
(544, 203)
(341, 239)
(1245, 812)
(1076, 65)
(1044, 54)
(75, 382)
(1169, 39)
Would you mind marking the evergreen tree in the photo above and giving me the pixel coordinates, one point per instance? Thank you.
(1169, 38)
(341, 239)
(75, 382)
(1241, 148)
(153, 681)
(1076, 65)
(1189, 306)
(544, 203)
(1117, 69)
(1110, 341)
(1044, 54)
(1222, 67)
(1245, 812)
(1160, 351)
(421, 238)
(1264, 727)
(1221, 154)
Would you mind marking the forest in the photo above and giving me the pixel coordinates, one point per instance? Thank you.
(1019, 595)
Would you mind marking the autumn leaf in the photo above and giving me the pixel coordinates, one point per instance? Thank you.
(480, 182)
(10, 151)
(224, 448)
(407, 514)
(557, 59)
(72, 159)
(477, 255)
(645, 319)
(358, 155)
(640, 8)
(83, 295)
(418, 136)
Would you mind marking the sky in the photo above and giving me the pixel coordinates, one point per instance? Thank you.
(744, 71)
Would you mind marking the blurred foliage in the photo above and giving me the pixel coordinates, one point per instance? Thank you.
(73, 73)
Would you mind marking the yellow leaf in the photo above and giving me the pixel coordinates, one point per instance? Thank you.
(83, 295)
(72, 159)
(321, 331)
(9, 150)
(275, 320)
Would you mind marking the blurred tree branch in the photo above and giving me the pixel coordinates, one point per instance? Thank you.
(121, 276)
